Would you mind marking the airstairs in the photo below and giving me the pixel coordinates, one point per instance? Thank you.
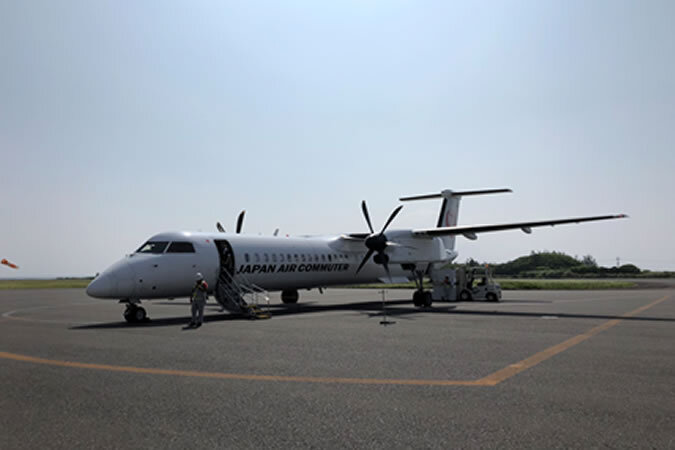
(242, 297)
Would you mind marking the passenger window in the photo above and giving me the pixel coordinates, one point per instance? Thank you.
(303, 257)
(267, 258)
(329, 258)
(153, 247)
(296, 257)
(246, 257)
(323, 257)
(257, 257)
(281, 257)
(181, 247)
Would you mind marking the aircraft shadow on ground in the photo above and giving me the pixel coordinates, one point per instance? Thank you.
(372, 309)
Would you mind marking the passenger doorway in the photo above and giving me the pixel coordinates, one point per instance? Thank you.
(226, 255)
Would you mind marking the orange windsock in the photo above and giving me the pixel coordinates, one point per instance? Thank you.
(9, 264)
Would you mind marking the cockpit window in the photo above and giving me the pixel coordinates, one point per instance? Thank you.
(181, 247)
(153, 247)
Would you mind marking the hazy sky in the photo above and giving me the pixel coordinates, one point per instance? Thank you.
(119, 120)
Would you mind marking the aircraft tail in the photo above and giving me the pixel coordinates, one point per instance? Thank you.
(450, 208)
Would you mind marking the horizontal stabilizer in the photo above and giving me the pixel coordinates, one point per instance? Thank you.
(448, 193)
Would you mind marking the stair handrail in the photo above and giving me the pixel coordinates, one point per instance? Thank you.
(245, 287)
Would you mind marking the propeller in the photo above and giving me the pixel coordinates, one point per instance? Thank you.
(240, 223)
(377, 243)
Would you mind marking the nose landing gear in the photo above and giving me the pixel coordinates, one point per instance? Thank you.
(134, 313)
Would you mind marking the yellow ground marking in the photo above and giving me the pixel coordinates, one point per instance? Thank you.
(514, 369)
(230, 376)
(490, 380)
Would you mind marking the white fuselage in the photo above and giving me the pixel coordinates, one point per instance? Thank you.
(272, 263)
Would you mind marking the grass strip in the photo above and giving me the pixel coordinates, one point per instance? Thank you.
(533, 284)
(524, 284)
(73, 283)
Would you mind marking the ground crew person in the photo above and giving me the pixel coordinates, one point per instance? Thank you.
(447, 286)
(198, 300)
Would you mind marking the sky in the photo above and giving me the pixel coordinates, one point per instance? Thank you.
(120, 120)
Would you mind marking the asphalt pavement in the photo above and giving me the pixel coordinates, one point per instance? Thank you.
(541, 369)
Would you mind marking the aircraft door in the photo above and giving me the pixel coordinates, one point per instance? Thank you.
(226, 255)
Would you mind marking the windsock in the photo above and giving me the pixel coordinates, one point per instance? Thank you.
(9, 264)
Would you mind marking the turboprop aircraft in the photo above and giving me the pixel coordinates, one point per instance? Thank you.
(235, 264)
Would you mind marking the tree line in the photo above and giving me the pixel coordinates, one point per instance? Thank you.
(560, 265)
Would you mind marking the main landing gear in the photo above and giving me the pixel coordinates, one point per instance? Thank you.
(289, 296)
(133, 312)
(420, 297)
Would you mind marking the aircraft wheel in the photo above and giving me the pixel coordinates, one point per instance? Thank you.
(491, 297)
(289, 296)
(135, 314)
(140, 314)
(465, 296)
(427, 299)
(418, 298)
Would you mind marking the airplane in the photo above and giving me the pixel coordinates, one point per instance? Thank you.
(234, 263)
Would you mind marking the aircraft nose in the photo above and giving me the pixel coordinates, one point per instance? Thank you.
(103, 286)
(117, 281)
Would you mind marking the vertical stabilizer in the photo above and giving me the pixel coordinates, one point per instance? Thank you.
(447, 217)
(450, 208)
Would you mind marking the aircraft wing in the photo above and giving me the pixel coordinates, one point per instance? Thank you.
(355, 236)
(470, 231)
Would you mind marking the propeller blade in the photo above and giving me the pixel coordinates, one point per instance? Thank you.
(365, 259)
(220, 227)
(391, 217)
(240, 221)
(364, 208)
